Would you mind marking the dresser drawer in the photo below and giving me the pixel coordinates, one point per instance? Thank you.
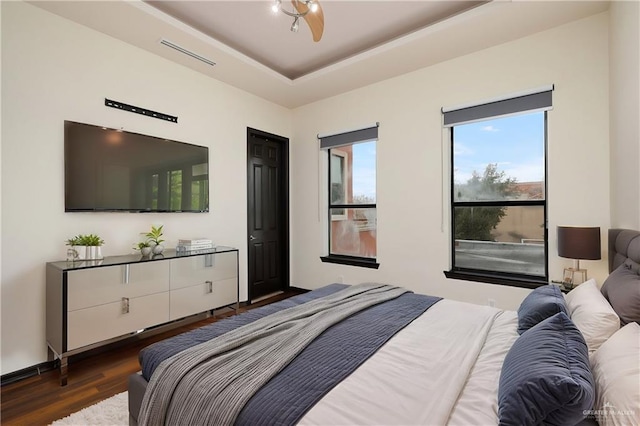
(202, 297)
(109, 284)
(226, 292)
(191, 300)
(194, 270)
(92, 325)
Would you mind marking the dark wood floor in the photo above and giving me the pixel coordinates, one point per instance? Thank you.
(40, 400)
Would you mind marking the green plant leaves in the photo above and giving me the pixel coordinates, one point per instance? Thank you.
(85, 240)
(155, 234)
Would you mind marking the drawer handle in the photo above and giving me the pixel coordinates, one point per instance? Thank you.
(125, 305)
(127, 271)
(208, 261)
(210, 286)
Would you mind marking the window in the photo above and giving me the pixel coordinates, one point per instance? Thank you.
(498, 191)
(352, 217)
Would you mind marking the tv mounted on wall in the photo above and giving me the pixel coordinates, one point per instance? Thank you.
(113, 170)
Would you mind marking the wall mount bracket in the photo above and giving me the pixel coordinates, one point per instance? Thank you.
(138, 110)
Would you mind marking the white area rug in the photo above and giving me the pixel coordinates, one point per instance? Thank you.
(110, 412)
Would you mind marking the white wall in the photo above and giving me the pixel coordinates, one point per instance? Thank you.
(55, 70)
(624, 66)
(413, 235)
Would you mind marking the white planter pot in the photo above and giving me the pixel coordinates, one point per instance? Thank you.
(89, 252)
(82, 252)
(95, 252)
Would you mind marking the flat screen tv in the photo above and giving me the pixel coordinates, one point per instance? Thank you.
(113, 170)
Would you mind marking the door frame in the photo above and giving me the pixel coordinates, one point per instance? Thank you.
(284, 190)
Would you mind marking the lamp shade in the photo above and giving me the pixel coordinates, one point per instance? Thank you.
(579, 243)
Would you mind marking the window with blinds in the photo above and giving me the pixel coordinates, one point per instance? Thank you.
(498, 190)
(352, 214)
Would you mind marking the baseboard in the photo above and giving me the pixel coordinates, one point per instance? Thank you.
(266, 296)
(298, 289)
(27, 372)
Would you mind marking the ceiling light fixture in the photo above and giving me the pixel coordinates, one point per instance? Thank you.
(295, 25)
(300, 10)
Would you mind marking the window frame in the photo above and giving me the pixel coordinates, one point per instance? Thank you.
(345, 173)
(369, 262)
(499, 277)
(336, 140)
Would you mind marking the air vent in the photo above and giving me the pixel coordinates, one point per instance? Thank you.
(187, 52)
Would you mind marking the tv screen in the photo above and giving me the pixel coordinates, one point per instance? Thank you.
(113, 170)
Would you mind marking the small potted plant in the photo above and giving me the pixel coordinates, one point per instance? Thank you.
(87, 247)
(94, 245)
(72, 253)
(144, 247)
(155, 240)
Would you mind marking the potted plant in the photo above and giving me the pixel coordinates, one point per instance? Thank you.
(94, 246)
(144, 247)
(87, 246)
(154, 238)
(72, 253)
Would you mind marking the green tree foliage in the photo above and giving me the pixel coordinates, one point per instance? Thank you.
(476, 223)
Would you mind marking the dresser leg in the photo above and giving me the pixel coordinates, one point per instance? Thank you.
(63, 370)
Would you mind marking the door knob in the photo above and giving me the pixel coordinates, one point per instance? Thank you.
(251, 238)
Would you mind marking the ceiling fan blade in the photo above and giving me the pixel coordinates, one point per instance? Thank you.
(315, 20)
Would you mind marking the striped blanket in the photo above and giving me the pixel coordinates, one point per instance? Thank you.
(211, 382)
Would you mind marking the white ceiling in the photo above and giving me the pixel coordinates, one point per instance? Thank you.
(363, 42)
(352, 27)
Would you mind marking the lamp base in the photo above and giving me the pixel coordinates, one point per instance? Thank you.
(569, 278)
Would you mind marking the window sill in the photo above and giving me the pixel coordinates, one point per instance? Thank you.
(351, 261)
(530, 283)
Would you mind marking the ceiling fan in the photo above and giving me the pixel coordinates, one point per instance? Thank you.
(310, 10)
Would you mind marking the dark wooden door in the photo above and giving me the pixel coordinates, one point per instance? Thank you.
(268, 213)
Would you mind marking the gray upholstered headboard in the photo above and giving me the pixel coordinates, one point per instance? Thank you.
(624, 244)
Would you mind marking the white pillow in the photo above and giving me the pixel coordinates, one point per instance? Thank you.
(592, 314)
(616, 370)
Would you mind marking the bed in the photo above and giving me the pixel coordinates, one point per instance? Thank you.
(408, 359)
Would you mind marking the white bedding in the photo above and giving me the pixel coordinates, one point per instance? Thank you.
(443, 368)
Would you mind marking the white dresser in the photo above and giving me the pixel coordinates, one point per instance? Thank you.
(92, 303)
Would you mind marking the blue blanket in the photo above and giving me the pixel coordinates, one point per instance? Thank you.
(319, 367)
(151, 356)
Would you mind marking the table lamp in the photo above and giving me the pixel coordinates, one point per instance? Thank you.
(578, 243)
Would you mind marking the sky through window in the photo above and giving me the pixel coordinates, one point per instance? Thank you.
(514, 143)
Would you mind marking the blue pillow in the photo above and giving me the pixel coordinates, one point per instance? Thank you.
(546, 377)
(540, 304)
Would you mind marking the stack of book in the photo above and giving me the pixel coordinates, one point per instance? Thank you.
(197, 245)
